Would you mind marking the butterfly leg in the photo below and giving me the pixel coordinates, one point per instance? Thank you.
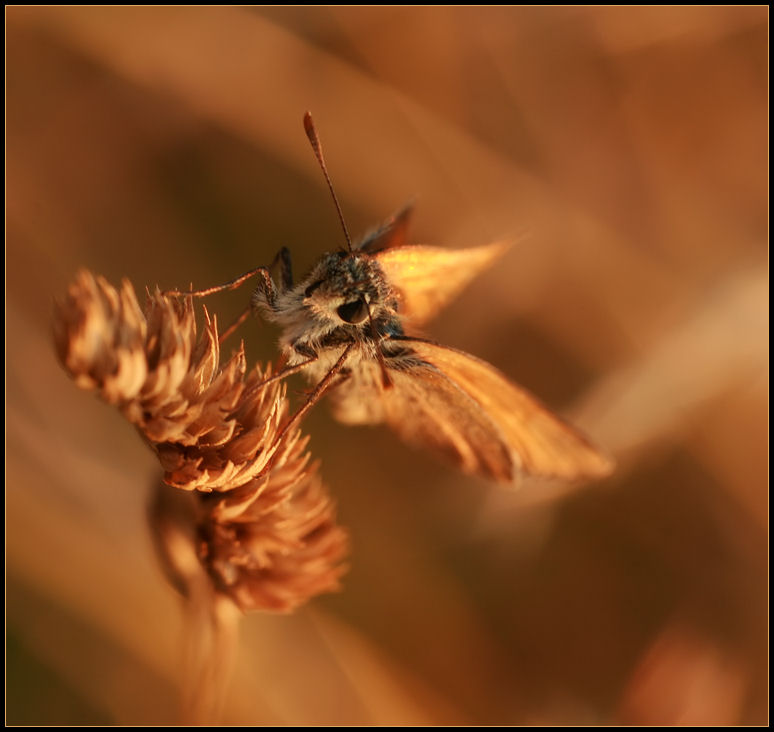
(267, 284)
(329, 380)
(283, 373)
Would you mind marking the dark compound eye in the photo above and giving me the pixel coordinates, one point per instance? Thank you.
(309, 290)
(353, 312)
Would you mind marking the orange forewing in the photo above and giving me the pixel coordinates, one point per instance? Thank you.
(541, 443)
(465, 410)
(426, 278)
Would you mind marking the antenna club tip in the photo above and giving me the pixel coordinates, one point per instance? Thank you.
(308, 123)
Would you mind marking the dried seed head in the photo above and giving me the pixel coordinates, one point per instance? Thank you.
(268, 539)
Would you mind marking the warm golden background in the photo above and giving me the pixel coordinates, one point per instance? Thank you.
(626, 153)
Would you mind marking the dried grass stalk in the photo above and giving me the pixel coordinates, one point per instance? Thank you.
(259, 519)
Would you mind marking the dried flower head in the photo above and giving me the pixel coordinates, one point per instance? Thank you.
(261, 521)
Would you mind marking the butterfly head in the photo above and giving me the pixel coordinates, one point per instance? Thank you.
(344, 286)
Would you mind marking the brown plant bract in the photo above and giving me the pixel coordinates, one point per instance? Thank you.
(260, 519)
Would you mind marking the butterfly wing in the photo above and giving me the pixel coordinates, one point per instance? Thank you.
(425, 278)
(392, 233)
(542, 443)
(427, 409)
(465, 410)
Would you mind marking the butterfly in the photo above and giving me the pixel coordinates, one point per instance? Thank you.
(346, 327)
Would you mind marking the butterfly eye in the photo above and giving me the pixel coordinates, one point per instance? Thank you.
(353, 312)
(309, 290)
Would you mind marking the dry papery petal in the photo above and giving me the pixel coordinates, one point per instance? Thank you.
(259, 519)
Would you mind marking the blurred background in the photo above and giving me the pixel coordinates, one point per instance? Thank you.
(623, 150)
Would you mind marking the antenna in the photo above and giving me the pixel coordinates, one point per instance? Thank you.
(311, 133)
